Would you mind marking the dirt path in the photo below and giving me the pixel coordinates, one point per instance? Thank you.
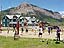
(32, 35)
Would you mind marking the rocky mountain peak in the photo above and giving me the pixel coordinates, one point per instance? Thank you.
(26, 7)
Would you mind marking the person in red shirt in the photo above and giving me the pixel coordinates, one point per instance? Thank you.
(17, 26)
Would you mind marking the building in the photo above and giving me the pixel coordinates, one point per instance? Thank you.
(10, 20)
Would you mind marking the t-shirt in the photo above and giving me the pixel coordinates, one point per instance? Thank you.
(58, 30)
(40, 30)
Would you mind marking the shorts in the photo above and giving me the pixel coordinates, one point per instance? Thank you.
(40, 33)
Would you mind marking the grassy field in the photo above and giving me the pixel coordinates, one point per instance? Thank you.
(9, 42)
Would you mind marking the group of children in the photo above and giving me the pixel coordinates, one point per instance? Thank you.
(40, 30)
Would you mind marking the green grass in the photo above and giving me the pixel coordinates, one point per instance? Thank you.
(27, 43)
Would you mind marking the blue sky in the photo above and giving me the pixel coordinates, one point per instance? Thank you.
(55, 5)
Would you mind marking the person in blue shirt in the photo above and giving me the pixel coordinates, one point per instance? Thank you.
(49, 30)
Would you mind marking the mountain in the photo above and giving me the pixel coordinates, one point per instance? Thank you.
(33, 10)
(29, 8)
(62, 13)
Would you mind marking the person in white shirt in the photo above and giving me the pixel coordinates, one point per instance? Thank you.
(40, 31)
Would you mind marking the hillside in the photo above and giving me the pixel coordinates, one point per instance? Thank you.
(33, 10)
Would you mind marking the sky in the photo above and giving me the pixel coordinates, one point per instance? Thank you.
(54, 5)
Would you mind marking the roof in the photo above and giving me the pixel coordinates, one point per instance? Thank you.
(11, 16)
(28, 18)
